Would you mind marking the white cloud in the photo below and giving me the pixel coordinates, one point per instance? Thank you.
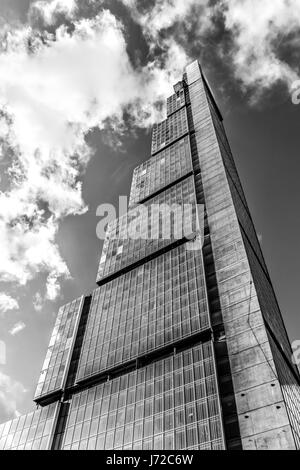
(194, 15)
(53, 91)
(17, 328)
(258, 30)
(48, 10)
(28, 244)
(11, 396)
(7, 303)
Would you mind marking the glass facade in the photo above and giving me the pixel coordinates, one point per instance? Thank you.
(54, 368)
(169, 404)
(29, 432)
(161, 170)
(164, 219)
(176, 101)
(181, 346)
(169, 130)
(151, 306)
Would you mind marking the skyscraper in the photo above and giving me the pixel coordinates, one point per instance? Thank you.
(182, 345)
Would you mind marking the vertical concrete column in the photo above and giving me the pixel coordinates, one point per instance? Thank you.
(263, 418)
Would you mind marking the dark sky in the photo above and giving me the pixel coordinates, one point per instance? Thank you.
(265, 143)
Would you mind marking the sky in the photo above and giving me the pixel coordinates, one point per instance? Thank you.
(81, 84)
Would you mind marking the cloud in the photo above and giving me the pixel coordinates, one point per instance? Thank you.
(173, 22)
(7, 303)
(54, 89)
(17, 328)
(49, 10)
(264, 36)
(163, 15)
(259, 32)
(11, 396)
